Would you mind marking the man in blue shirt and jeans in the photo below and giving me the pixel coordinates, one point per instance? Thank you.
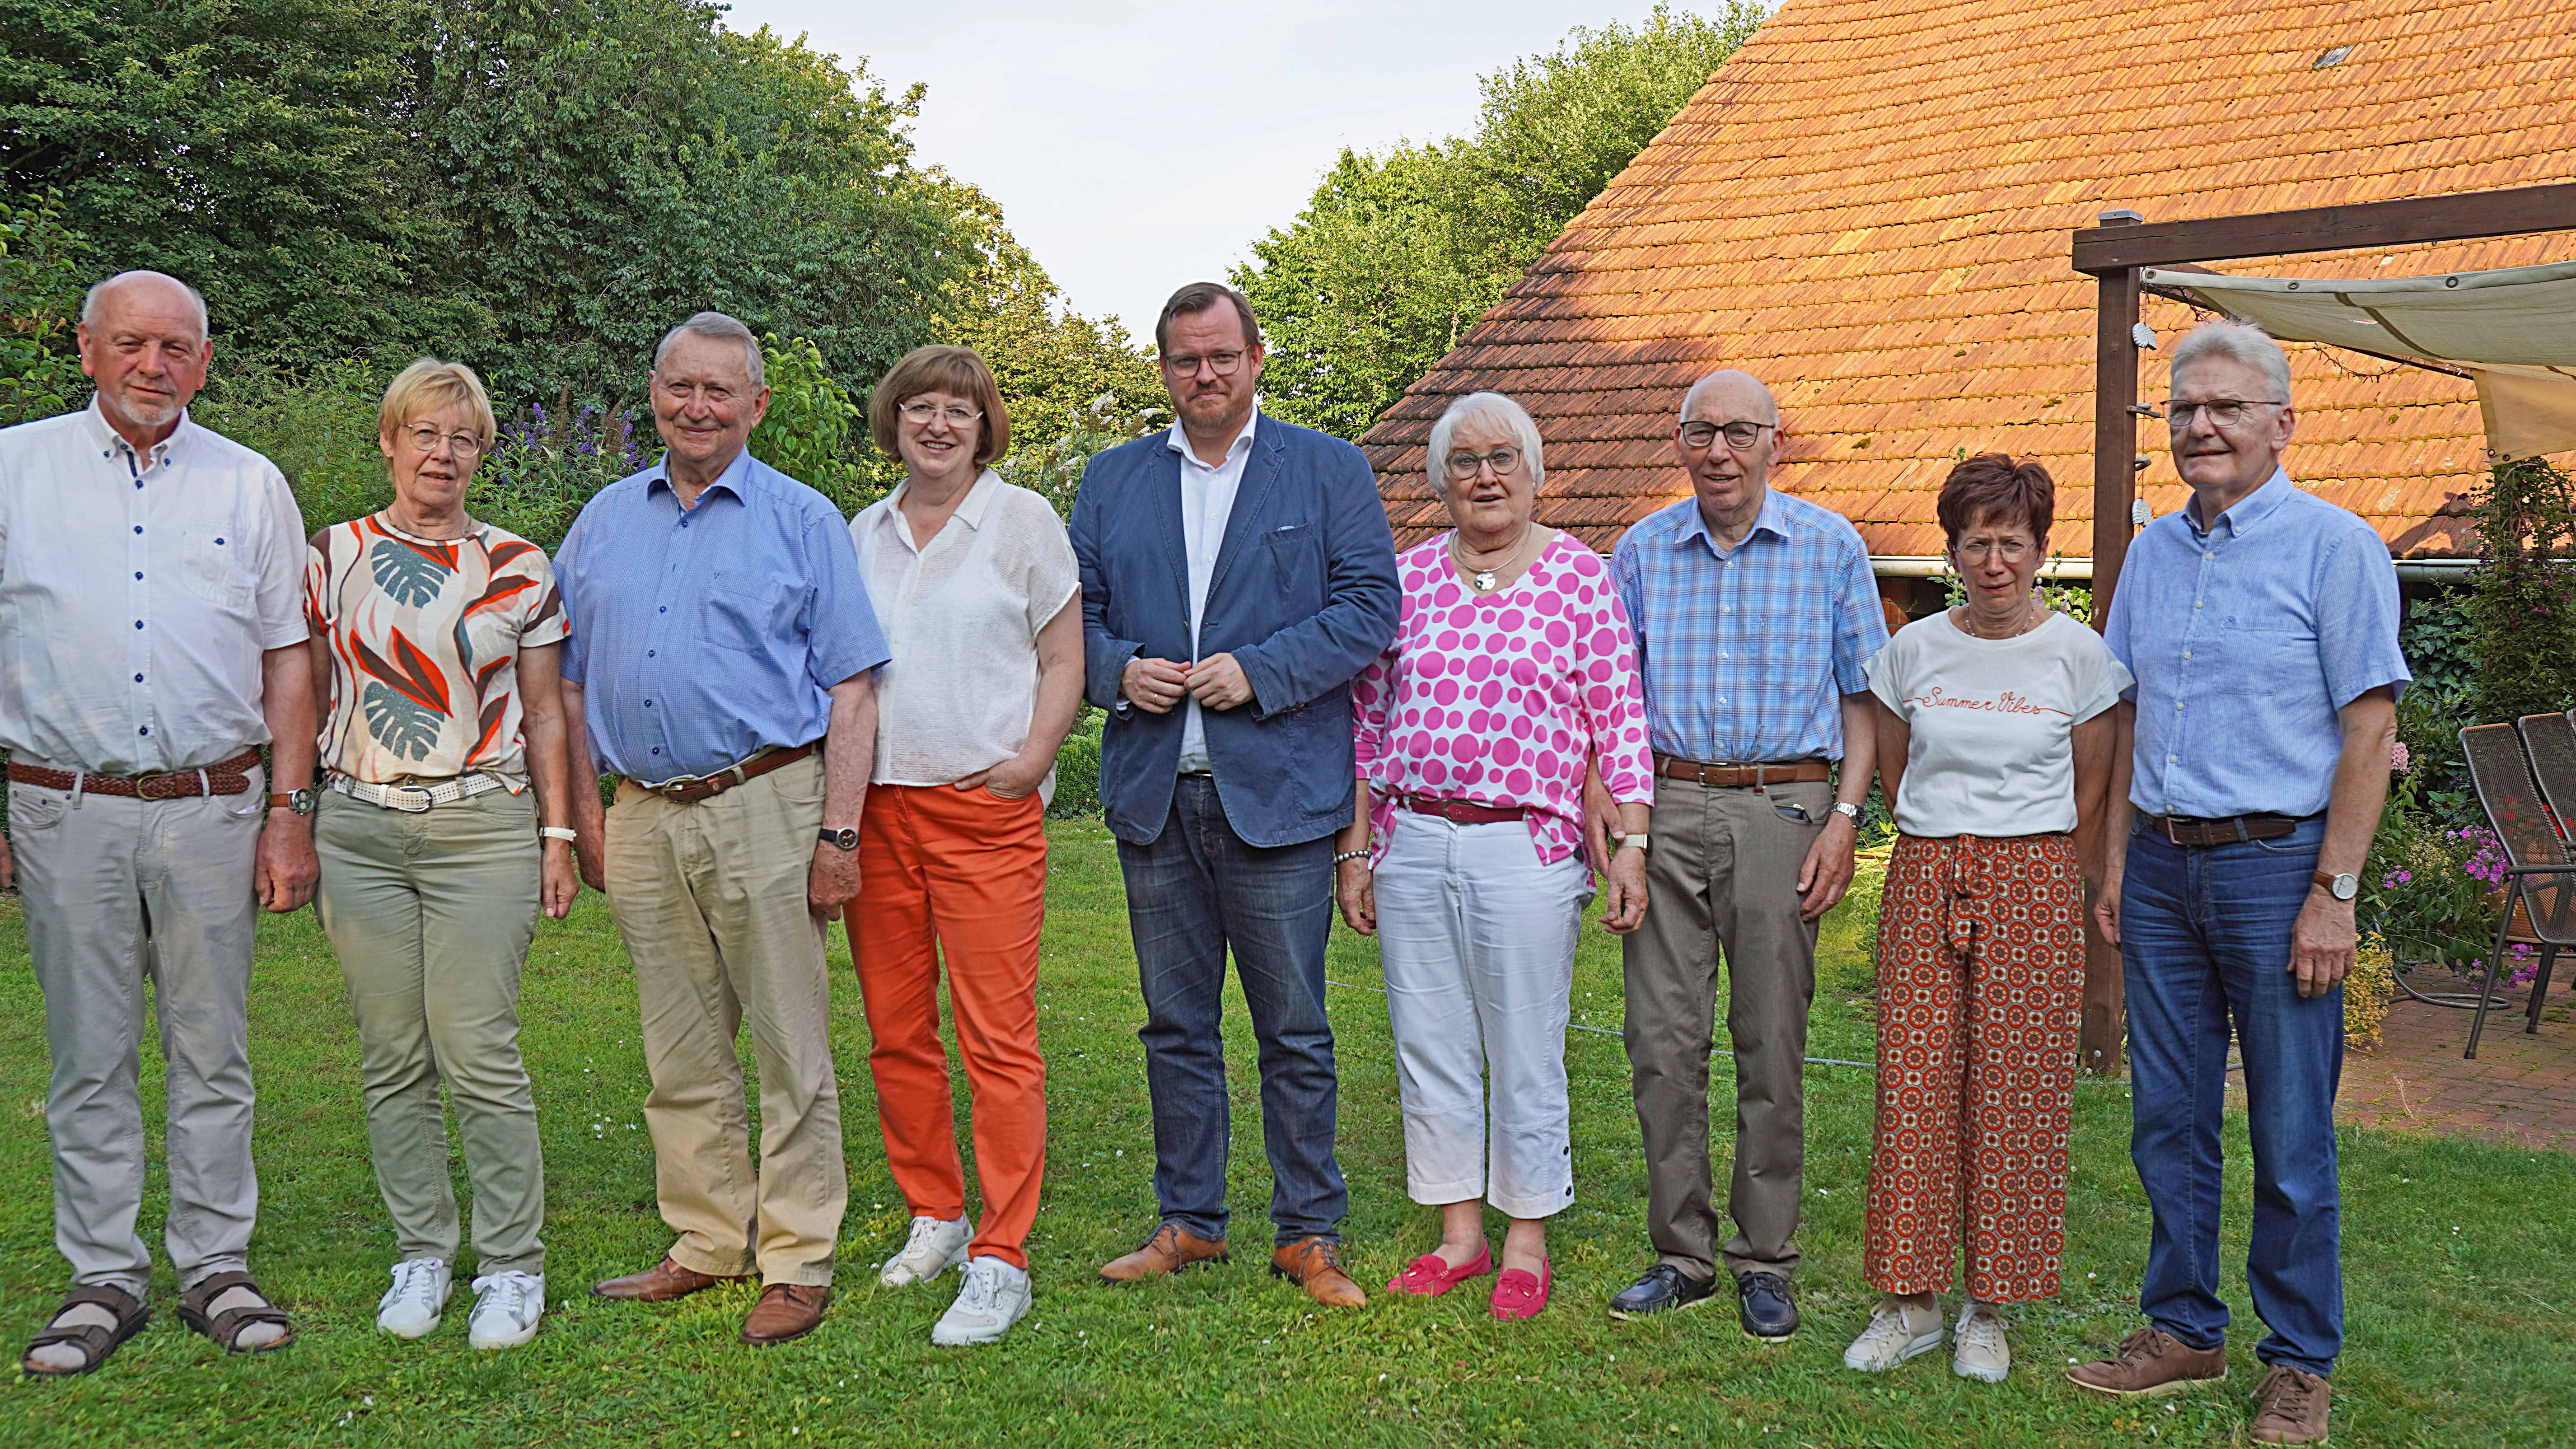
(2261, 624)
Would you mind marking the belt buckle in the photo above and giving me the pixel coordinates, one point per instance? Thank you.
(400, 797)
(2170, 837)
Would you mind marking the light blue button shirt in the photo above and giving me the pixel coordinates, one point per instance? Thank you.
(2246, 637)
(702, 634)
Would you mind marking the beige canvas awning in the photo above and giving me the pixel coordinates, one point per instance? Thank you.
(2513, 331)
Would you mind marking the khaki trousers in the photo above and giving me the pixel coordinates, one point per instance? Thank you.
(1723, 882)
(431, 915)
(710, 899)
(119, 892)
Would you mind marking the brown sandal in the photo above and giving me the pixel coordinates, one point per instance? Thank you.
(95, 1341)
(225, 1327)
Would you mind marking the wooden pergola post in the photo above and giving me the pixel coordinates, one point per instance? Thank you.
(2115, 472)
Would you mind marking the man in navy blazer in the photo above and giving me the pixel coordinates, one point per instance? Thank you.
(1237, 572)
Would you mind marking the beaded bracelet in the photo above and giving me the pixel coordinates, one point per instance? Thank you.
(1350, 855)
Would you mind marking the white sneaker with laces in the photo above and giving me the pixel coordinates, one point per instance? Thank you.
(994, 1296)
(1982, 1353)
(506, 1309)
(933, 1247)
(1897, 1332)
(410, 1308)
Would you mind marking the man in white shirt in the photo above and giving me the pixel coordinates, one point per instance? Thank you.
(151, 640)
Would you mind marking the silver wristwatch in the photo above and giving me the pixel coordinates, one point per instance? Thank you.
(1848, 811)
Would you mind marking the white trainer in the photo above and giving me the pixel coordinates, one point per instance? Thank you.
(1982, 1353)
(506, 1309)
(410, 1308)
(932, 1248)
(1897, 1332)
(994, 1296)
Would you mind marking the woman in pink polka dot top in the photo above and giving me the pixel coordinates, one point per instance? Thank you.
(1513, 672)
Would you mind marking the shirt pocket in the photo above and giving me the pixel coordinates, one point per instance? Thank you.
(215, 563)
(743, 612)
(2261, 637)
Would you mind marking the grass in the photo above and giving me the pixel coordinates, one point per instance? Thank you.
(2460, 1264)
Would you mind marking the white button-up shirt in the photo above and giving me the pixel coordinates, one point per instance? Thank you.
(1207, 501)
(137, 593)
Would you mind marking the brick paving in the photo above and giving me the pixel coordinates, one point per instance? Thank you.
(2521, 1089)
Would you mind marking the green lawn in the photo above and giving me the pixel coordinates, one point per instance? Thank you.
(2460, 1264)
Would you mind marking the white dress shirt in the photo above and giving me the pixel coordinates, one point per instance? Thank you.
(1207, 501)
(137, 594)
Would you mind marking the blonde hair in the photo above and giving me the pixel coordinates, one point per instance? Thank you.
(432, 386)
(957, 371)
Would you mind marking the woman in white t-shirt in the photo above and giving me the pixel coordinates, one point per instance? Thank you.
(1994, 743)
(976, 585)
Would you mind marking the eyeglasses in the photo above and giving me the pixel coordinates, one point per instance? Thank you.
(424, 439)
(1463, 465)
(2226, 412)
(920, 413)
(1225, 363)
(2010, 550)
(1738, 435)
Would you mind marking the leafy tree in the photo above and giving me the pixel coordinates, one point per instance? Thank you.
(41, 281)
(2521, 604)
(1397, 255)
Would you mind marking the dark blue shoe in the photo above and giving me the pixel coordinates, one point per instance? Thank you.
(1663, 1288)
(1763, 1306)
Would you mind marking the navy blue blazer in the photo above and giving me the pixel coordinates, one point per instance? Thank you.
(1303, 597)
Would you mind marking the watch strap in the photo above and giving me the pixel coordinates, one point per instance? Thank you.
(2334, 884)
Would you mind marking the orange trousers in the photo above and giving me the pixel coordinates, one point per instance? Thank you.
(964, 871)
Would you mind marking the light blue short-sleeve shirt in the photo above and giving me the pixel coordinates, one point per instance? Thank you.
(2245, 638)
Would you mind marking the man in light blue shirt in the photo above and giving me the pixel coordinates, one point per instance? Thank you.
(722, 662)
(2261, 625)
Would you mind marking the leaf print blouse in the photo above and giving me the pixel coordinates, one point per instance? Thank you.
(425, 637)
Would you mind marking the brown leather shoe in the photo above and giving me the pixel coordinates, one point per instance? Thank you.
(660, 1283)
(2292, 1405)
(1315, 1264)
(785, 1311)
(2151, 1361)
(1170, 1249)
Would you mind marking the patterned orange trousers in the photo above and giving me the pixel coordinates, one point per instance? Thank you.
(1980, 978)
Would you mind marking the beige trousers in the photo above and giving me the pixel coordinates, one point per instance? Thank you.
(710, 899)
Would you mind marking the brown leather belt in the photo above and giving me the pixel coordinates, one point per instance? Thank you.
(1464, 812)
(1731, 777)
(224, 777)
(2189, 830)
(691, 789)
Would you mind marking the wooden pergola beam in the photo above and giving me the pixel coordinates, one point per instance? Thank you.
(2105, 249)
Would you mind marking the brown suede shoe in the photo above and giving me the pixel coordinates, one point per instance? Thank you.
(1315, 1264)
(2291, 1407)
(660, 1283)
(1170, 1249)
(2151, 1361)
(785, 1311)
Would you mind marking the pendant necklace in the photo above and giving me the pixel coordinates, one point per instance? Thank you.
(1482, 579)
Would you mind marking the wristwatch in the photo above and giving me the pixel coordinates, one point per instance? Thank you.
(2341, 887)
(1848, 811)
(302, 802)
(847, 837)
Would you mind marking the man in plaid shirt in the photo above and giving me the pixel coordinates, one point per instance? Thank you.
(1756, 619)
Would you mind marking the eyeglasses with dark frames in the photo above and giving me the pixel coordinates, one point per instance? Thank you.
(1463, 465)
(1739, 435)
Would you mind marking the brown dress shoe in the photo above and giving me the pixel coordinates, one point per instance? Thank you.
(2291, 1407)
(660, 1283)
(1315, 1264)
(2151, 1361)
(1170, 1249)
(785, 1311)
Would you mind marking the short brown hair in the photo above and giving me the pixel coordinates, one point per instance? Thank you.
(1995, 486)
(1197, 297)
(940, 368)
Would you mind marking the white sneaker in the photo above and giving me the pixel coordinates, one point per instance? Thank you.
(1897, 1332)
(506, 1309)
(1982, 1353)
(411, 1307)
(994, 1296)
(933, 1248)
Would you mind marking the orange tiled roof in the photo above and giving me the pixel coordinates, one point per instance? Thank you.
(1868, 207)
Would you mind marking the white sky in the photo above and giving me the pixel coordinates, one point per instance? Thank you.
(1137, 146)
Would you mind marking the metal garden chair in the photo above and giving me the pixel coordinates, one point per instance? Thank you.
(2505, 761)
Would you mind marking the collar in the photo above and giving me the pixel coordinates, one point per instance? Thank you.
(2247, 511)
(110, 442)
(1772, 519)
(972, 508)
(731, 480)
(1179, 442)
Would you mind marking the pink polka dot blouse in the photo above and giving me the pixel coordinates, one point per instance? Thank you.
(1502, 699)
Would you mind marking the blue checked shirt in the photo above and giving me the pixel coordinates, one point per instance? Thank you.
(1747, 655)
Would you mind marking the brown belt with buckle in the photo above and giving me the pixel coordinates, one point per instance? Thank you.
(690, 789)
(224, 777)
(2189, 830)
(1731, 777)
(1464, 812)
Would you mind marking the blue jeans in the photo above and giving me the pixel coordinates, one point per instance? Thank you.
(2205, 942)
(1192, 893)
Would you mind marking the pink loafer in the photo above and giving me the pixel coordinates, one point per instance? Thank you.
(1429, 1277)
(1519, 1295)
